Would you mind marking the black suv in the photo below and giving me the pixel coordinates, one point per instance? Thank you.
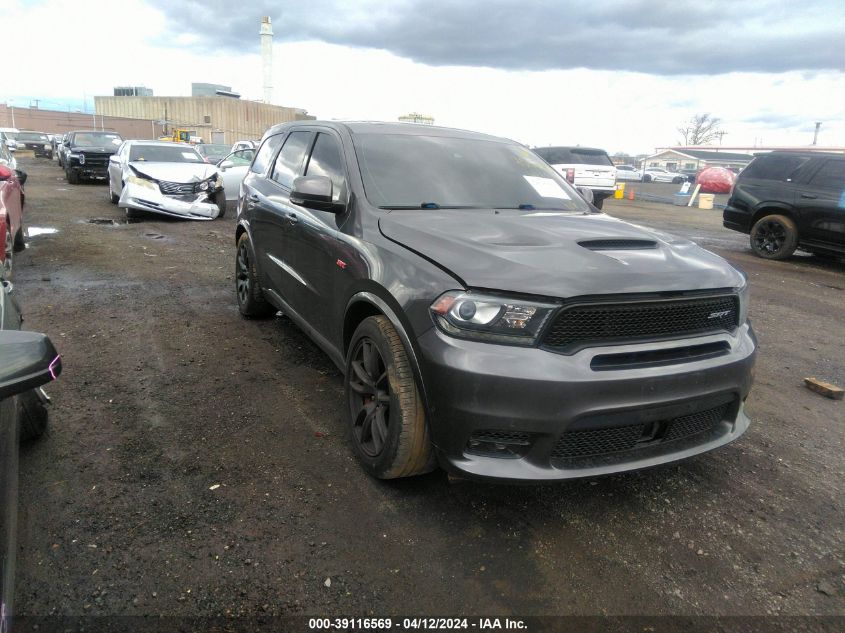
(486, 317)
(37, 142)
(786, 200)
(86, 154)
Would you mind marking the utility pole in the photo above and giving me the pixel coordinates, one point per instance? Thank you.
(816, 135)
(720, 134)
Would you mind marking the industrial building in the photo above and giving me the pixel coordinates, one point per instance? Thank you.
(214, 119)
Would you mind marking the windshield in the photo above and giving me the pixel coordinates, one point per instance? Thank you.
(97, 139)
(164, 154)
(573, 156)
(32, 136)
(413, 171)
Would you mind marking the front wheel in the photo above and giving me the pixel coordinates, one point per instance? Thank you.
(33, 416)
(220, 201)
(251, 302)
(8, 254)
(390, 432)
(113, 197)
(774, 237)
(72, 176)
(646, 178)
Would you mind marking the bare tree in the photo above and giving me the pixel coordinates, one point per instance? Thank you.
(700, 130)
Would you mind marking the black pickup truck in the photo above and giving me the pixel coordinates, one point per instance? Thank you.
(86, 154)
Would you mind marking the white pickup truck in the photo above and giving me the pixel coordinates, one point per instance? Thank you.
(583, 167)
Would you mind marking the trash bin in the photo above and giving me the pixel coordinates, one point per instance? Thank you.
(620, 191)
(680, 199)
(705, 200)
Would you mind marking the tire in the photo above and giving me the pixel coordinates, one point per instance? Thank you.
(33, 416)
(20, 244)
(72, 176)
(133, 214)
(598, 202)
(112, 197)
(251, 301)
(774, 237)
(9, 255)
(220, 201)
(677, 181)
(646, 178)
(390, 434)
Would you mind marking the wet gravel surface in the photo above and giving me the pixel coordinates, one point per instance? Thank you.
(197, 463)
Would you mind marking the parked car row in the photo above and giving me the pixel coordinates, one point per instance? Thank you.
(28, 360)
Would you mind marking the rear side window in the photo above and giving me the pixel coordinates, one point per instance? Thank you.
(326, 161)
(265, 154)
(290, 158)
(831, 175)
(775, 167)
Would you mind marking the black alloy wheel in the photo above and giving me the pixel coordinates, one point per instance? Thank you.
(369, 398)
(387, 419)
(774, 237)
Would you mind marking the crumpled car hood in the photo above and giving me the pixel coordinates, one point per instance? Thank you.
(175, 172)
(539, 252)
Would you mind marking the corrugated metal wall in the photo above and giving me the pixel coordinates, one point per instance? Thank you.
(237, 119)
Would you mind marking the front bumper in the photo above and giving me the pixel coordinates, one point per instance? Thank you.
(145, 195)
(475, 389)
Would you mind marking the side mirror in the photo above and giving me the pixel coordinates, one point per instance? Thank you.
(314, 192)
(587, 194)
(29, 361)
(11, 145)
(225, 164)
(21, 176)
(66, 143)
(114, 158)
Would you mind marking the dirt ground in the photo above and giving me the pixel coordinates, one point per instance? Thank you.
(167, 393)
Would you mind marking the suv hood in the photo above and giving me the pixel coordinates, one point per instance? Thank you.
(539, 252)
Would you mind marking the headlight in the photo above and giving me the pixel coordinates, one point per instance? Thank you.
(744, 298)
(47, 146)
(204, 185)
(490, 318)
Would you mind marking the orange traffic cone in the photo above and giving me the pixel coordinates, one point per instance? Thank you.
(631, 193)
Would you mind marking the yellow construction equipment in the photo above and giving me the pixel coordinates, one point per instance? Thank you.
(180, 136)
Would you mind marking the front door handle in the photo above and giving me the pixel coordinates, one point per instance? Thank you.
(808, 196)
(292, 218)
(251, 200)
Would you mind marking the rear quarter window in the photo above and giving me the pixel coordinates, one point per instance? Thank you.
(775, 167)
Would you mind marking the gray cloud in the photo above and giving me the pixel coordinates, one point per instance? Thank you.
(684, 37)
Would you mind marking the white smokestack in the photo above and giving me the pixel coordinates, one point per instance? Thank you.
(266, 33)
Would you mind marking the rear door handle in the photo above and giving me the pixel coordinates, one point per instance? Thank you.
(808, 196)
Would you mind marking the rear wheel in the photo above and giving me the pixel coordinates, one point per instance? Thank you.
(33, 415)
(774, 237)
(646, 178)
(598, 201)
(251, 302)
(390, 433)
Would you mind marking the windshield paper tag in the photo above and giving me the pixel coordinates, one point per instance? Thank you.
(546, 187)
(189, 156)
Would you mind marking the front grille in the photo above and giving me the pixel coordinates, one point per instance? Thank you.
(608, 323)
(178, 188)
(96, 160)
(619, 439)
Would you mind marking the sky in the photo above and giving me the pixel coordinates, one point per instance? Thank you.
(620, 75)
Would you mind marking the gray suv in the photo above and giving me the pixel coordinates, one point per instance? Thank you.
(485, 317)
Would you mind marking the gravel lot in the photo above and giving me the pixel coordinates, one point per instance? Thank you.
(168, 393)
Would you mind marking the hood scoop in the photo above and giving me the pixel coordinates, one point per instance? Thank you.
(619, 244)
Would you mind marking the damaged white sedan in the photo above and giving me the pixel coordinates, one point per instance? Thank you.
(167, 178)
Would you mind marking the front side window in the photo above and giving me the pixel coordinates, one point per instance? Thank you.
(265, 154)
(241, 157)
(289, 162)
(417, 171)
(326, 160)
